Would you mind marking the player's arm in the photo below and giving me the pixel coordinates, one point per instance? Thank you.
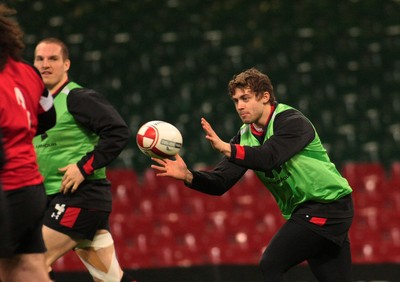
(220, 179)
(47, 115)
(94, 112)
(292, 133)
(213, 182)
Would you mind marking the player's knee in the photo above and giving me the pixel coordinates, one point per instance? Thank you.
(100, 241)
(94, 263)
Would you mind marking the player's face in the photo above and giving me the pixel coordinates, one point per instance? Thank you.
(251, 109)
(51, 65)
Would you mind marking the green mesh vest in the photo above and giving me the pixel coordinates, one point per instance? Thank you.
(66, 143)
(307, 176)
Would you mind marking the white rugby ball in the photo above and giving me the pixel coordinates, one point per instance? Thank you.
(159, 139)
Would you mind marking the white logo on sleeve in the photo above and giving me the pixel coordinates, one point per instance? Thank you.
(60, 209)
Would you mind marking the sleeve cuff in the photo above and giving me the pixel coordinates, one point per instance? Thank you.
(237, 152)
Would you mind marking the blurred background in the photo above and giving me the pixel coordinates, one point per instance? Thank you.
(336, 61)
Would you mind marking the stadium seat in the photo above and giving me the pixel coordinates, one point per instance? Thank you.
(395, 171)
(366, 177)
(218, 203)
(124, 182)
(69, 262)
(373, 199)
(183, 256)
(375, 252)
(130, 258)
(240, 254)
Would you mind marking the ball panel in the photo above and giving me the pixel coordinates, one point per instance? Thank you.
(147, 136)
(158, 153)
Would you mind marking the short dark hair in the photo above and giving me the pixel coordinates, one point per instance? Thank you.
(253, 79)
(11, 36)
(64, 48)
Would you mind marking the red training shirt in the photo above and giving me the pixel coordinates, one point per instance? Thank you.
(21, 88)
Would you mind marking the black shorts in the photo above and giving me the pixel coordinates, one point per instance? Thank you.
(25, 210)
(330, 220)
(4, 226)
(76, 222)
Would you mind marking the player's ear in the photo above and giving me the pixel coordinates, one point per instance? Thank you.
(67, 64)
(266, 97)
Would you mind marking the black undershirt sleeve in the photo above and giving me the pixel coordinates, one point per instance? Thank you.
(47, 119)
(94, 112)
(219, 180)
(292, 133)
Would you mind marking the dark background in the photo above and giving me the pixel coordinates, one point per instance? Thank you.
(336, 61)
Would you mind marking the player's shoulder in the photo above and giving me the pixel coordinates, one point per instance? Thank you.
(30, 66)
(23, 67)
(83, 91)
(290, 114)
(83, 94)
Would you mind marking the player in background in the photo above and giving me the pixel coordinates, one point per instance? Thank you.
(26, 109)
(283, 148)
(89, 134)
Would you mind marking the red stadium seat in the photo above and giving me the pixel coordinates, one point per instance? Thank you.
(375, 252)
(124, 183)
(69, 262)
(218, 203)
(131, 258)
(395, 171)
(364, 176)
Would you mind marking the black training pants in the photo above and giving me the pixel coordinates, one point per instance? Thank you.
(295, 243)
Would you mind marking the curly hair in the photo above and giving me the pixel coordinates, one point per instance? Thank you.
(253, 79)
(11, 36)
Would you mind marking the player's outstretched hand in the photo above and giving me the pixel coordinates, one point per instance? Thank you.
(173, 168)
(213, 138)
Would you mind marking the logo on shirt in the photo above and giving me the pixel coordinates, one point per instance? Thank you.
(46, 145)
(277, 180)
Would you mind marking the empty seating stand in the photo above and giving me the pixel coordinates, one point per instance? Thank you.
(168, 224)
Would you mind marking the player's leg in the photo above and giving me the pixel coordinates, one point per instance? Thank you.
(24, 267)
(293, 244)
(57, 245)
(64, 226)
(334, 264)
(99, 257)
(25, 261)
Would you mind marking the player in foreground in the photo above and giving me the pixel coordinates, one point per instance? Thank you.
(72, 156)
(26, 109)
(281, 145)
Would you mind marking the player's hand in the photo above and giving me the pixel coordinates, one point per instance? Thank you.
(173, 168)
(71, 179)
(213, 138)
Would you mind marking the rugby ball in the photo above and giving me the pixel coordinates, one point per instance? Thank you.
(159, 139)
